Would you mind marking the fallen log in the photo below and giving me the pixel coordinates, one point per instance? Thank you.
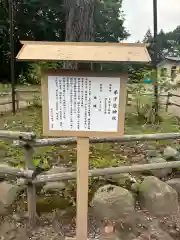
(122, 139)
(106, 171)
(26, 136)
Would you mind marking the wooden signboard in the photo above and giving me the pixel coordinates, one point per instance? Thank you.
(83, 104)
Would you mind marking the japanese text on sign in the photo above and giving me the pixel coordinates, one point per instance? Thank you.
(83, 103)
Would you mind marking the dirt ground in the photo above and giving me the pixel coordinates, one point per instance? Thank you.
(58, 225)
(53, 226)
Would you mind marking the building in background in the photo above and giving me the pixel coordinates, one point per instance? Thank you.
(170, 68)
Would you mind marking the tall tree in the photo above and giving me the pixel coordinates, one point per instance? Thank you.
(57, 20)
(4, 39)
(174, 35)
(109, 27)
(109, 21)
(79, 24)
(168, 44)
(33, 20)
(148, 38)
(40, 20)
(79, 20)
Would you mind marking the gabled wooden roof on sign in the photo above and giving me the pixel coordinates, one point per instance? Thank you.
(83, 51)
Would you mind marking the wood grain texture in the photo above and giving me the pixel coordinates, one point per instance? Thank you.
(31, 188)
(93, 140)
(84, 51)
(40, 179)
(82, 188)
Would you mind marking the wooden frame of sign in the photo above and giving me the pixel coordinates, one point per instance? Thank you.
(83, 133)
(52, 80)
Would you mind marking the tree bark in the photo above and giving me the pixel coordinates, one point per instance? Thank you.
(79, 25)
(79, 20)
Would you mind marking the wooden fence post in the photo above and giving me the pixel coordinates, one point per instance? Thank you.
(31, 188)
(167, 102)
(17, 100)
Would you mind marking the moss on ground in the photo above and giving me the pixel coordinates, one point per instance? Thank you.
(101, 155)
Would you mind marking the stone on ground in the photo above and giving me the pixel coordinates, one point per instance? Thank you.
(152, 154)
(158, 234)
(159, 173)
(112, 202)
(10, 231)
(157, 197)
(55, 186)
(171, 154)
(122, 179)
(8, 194)
(175, 184)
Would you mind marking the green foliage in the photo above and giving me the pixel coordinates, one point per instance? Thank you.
(148, 38)
(109, 21)
(101, 155)
(3, 148)
(46, 21)
(43, 162)
(144, 95)
(137, 73)
(22, 80)
(109, 27)
(34, 72)
(103, 162)
(4, 88)
(142, 104)
(168, 44)
(35, 102)
(33, 20)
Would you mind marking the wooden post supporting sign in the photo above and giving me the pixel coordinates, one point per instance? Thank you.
(83, 104)
(82, 188)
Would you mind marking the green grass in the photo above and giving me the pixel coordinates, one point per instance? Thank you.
(30, 120)
(102, 155)
(7, 87)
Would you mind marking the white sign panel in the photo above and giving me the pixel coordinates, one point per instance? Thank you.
(83, 103)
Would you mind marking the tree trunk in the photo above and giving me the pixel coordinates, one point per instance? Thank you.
(79, 25)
